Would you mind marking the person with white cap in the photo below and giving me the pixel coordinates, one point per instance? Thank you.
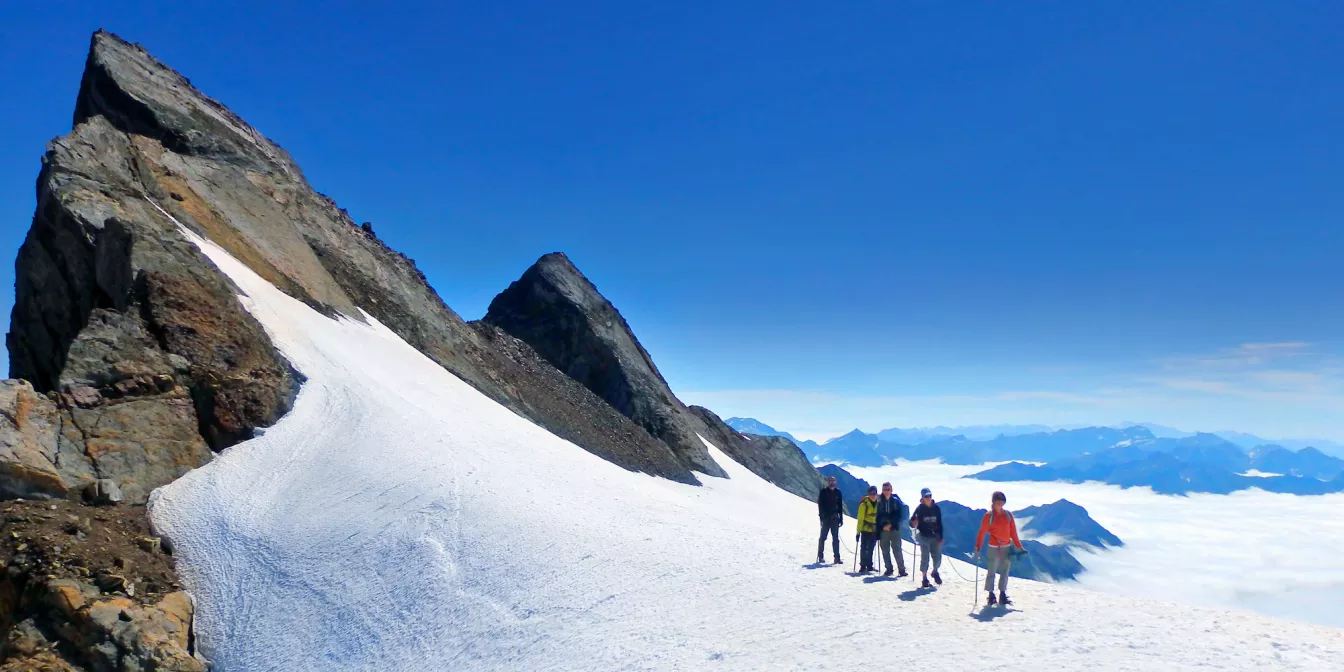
(928, 520)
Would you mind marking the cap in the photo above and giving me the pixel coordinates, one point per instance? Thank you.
(926, 493)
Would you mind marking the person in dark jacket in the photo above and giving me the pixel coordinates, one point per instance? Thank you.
(831, 510)
(889, 508)
(928, 519)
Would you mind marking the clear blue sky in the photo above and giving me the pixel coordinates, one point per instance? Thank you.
(869, 214)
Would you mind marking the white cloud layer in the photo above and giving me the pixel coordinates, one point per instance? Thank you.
(1274, 554)
(1287, 390)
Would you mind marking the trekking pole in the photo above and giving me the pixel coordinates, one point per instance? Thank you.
(914, 537)
(975, 587)
(857, 544)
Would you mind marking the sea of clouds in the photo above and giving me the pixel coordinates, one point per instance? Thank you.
(1281, 555)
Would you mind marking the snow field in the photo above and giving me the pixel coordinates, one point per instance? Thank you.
(396, 519)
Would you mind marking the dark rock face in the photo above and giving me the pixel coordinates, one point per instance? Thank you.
(557, 311)
(116, 309)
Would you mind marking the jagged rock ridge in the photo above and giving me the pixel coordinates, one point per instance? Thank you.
(142, 343)
(555, 309)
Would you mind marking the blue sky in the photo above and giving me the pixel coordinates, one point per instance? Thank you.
(873, 214)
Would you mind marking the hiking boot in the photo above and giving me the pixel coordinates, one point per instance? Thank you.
(991, 601)
(926, 584)
(821, 560)
(937, 579)
(903, 574)
(1003, 598)
(838, 561)
(889, 572)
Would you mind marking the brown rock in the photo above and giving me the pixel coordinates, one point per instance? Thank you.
(40, 661)
(66, 595)
(86, 396)
(29, 427)
(111, 583)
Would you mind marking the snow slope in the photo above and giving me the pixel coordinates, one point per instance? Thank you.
(396, 519)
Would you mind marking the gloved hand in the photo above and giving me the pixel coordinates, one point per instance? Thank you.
(856, 537)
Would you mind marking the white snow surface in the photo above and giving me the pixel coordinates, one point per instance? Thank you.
(396, 519)
(1256, 473)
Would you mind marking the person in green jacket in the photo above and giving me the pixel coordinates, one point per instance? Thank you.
(867, 530)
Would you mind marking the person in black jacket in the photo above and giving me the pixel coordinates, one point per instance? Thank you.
(831, 510)
(889, 508)
(928, 519)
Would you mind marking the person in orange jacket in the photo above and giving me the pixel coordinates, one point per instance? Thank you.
(1002, 531)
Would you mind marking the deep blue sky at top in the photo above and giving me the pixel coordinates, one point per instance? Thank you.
(890, 200)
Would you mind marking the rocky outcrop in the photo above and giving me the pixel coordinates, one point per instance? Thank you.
(66, 447)
(140, 336)
(89, 589)
(557, 311)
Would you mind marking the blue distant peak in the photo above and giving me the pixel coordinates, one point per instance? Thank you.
(754, 426)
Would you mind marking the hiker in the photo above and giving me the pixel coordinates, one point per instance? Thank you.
(1002, 538)
(889, 509)
(928, 519)
(867, 530)
(831, 509)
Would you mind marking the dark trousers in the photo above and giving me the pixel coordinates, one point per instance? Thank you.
(829, 526)
(867, 541)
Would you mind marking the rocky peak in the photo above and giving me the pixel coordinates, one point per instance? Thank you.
(560, 313)
(139, 95)
(555, 309)
(140, 342)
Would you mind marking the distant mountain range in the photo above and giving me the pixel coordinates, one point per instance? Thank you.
(869, 450)
(922, 434)
(1063, 522)
(857, 443)
(1199, 463)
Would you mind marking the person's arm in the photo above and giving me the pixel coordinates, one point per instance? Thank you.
(914, 517)
(1012, 529)
(940, 522)
(821, 503)
(980, 536)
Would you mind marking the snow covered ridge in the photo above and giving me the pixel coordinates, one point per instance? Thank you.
(397, 519)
